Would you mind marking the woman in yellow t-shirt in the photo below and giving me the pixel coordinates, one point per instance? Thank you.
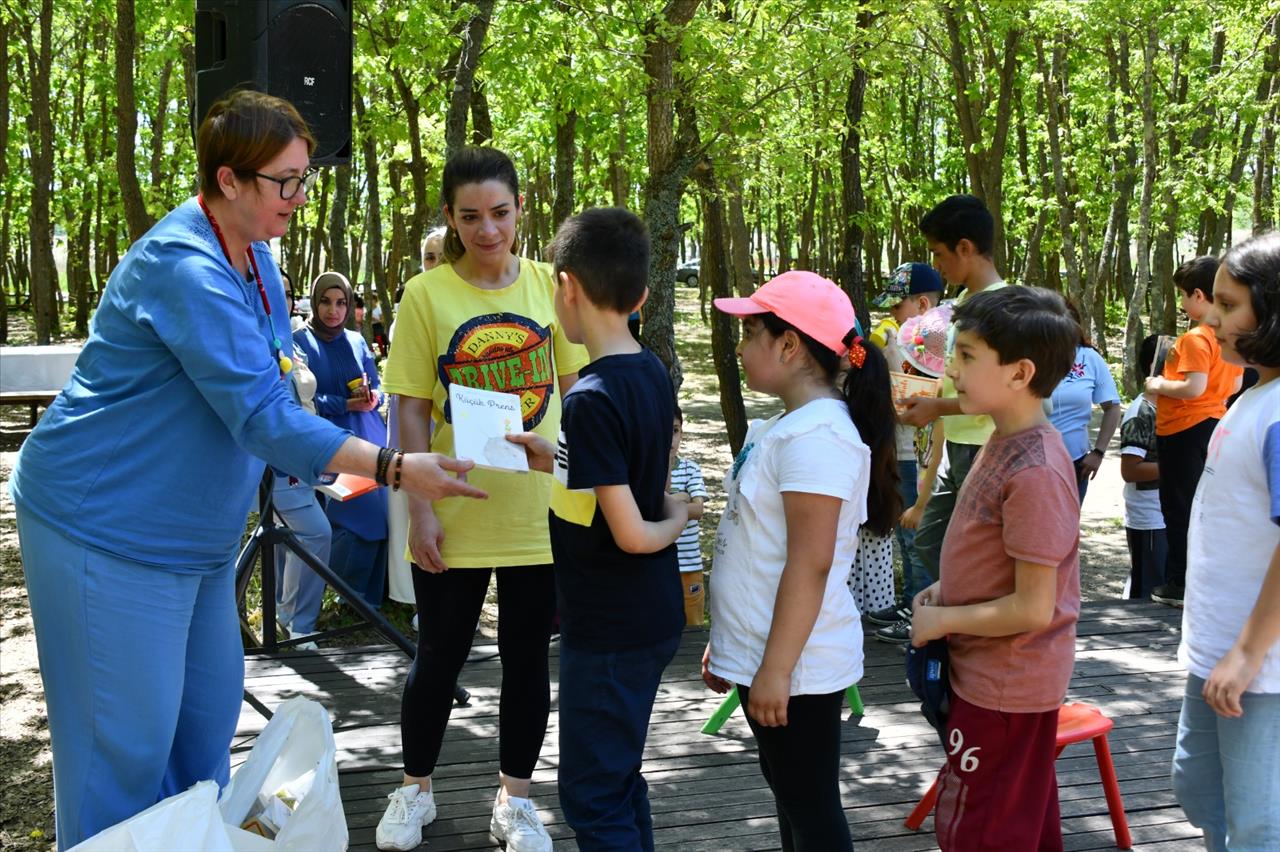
(485, 318)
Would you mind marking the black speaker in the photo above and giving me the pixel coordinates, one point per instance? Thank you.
(299, 50)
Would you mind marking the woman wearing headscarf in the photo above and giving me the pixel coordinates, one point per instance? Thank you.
(347, 395)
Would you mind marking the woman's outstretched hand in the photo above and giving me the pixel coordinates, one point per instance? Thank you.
(426, 475)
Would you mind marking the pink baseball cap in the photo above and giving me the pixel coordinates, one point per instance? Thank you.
(808, 301)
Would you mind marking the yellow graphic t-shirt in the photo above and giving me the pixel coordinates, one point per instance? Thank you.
(503, 340)
(973, 429)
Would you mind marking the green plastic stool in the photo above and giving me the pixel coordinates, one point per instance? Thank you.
(731, 702)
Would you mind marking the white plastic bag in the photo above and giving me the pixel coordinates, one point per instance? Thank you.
(188, 820)
(295, 751)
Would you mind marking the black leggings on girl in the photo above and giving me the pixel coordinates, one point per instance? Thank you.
(801, 763)
(449, 606)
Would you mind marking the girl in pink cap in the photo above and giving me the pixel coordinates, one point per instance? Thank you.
(785, 630)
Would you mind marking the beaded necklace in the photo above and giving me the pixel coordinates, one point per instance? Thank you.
(286, 364)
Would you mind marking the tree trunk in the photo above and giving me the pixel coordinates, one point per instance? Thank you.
(1126, 169)
(417, 165)
(1133, 333)
(157, 126)
(739, 239)
(618, 181)
(984, 159)
(805, 234)
(481, 121)
(135, 209)
(1162, 263)
(395, 256)
(4, 178)
(455, 125)
(1264, 210)
(44, 272)
(853, 202)
(782, 234)
(319, 231)
(339, 258)
(669, 159)
(78, 211)
(566, 154)
(373, 206)
(1066, 204)
(714, 278)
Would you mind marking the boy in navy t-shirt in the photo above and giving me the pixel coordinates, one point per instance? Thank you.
(613, 532)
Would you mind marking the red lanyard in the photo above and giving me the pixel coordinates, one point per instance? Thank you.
(285, 363)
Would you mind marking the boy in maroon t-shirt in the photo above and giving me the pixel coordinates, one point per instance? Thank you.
(1010, 589)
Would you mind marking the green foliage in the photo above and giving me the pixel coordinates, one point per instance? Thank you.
(767, 81)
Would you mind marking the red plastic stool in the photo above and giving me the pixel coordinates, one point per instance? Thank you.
(1076, 723)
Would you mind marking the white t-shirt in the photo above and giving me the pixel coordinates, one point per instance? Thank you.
(1138, 438)
(815, 450)
(686, 478)
(1235, 529)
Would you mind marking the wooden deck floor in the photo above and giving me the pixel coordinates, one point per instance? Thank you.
(706, 791)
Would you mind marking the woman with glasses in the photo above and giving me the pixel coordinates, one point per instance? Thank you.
(132, 492)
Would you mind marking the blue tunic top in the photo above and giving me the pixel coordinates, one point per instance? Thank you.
(334, 363)
(1086, 384)
(154, 449)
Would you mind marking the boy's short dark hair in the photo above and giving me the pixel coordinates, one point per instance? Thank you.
(607, 250)
(1024, 322)
(679, 414)
(1147, 357)
(960, 217)
(1197, 274)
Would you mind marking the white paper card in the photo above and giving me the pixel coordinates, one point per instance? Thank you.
(481, 420)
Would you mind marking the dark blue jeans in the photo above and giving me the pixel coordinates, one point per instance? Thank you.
(605, 701)
(362, 563)
(914, 576)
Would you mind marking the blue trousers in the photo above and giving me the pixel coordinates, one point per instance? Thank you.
(606, 698)
(299, 590)
(1226, 772)
(143, 674)
(362, 563)
(914, 576)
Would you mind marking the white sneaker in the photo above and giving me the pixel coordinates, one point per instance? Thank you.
(516, 824)
(409, 811)
(303, 646)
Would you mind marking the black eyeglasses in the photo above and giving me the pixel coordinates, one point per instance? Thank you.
(289, 186)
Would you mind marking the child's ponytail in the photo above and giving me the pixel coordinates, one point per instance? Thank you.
(868, 394)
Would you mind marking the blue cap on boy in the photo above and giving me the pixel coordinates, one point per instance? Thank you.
(909, 279)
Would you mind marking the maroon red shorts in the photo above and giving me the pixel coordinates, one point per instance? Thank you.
(998, 789)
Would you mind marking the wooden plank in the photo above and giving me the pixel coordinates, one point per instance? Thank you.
(707, 792)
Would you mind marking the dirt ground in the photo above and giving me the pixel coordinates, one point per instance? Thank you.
(26, 794)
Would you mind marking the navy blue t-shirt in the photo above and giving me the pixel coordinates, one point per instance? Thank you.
(615, 430)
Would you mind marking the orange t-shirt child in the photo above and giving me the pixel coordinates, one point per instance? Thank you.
(998, 788)
(1197, 351)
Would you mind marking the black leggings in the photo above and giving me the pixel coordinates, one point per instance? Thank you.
(1182, 457)
(801, 763)
(449, 606)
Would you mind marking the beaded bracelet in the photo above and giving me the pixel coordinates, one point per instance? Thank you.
(395, 482)
(385, 455)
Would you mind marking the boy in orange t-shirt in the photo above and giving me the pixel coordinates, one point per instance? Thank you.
(1191, 396)
(1009, 595)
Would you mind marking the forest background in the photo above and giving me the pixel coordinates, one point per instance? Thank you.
(1110, 139)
